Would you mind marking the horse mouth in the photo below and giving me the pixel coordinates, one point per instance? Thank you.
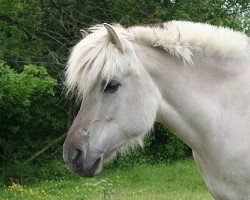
(94, 170)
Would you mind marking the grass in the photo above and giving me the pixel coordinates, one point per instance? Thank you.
(177, 181)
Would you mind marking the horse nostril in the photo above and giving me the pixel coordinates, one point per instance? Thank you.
(77, 155)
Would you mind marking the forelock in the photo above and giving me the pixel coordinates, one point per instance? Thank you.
(94, 59)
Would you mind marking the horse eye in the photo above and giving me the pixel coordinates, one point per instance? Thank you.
(112, 86)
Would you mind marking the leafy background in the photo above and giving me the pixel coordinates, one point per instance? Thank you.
(35, 40)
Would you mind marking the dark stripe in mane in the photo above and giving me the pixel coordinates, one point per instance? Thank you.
(156, 25)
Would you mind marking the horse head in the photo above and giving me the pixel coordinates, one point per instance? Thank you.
(119, 101)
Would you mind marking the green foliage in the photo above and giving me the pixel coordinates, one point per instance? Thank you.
(31, 173)
(161, 146)
(18, 91)
(27, 106)
(42, 32)
(165, 146)
(18, 43)
(32, 110)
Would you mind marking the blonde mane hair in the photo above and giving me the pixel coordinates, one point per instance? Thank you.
(183, 38)
(95, 57)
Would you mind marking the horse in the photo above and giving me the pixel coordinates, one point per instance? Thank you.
(191, 77)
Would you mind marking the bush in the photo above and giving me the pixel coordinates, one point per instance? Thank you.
(29, 112)
(32, 173)
(165, 146)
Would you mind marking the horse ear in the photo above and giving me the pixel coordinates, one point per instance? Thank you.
(114, 37)
(83, 33)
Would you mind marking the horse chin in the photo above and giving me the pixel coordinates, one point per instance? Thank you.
(109, 157)
(98, 168)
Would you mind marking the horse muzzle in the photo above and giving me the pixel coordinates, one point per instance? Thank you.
(82, 164)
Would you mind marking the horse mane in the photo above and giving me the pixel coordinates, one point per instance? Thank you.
(183, 38)
(95, 57)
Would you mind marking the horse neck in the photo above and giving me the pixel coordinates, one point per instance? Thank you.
(190, 92)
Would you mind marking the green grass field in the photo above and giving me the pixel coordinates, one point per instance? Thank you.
(177, 181)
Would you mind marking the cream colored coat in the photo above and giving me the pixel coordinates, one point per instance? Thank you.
(193, 78)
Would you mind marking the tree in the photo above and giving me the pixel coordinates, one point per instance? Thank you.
(42, 32)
